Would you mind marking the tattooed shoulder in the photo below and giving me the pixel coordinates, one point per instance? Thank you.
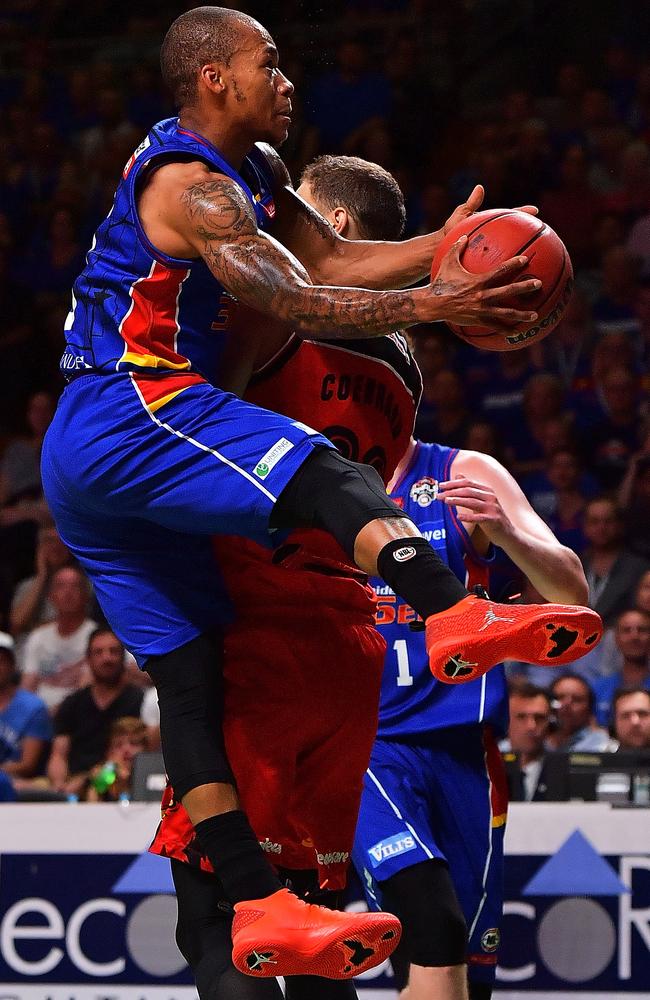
(219, 209)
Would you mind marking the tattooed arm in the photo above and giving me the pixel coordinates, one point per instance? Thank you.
(332, 259)
(188, 210)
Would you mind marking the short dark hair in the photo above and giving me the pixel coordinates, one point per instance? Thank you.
(371, 194)
(101, 630)
(201, 35)
(623, 692)
(529, 690)
(569, 676)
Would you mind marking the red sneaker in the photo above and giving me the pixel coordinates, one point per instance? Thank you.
(467, 639)
(283, 936)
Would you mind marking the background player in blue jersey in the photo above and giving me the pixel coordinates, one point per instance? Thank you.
(145, 456)
(429, 841)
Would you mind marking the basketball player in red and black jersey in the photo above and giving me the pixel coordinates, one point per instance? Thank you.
(303, 660)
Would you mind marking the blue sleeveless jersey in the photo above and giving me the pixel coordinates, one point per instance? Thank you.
(136, 309)
(413, 704)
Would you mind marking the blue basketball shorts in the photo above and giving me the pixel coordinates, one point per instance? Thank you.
(137, 481)
(446, 799)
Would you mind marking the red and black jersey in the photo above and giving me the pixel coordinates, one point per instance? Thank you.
(362, 394)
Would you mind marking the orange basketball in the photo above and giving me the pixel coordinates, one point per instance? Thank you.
(496, 236)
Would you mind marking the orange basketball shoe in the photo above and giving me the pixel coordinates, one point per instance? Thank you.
(467, 639)
(283, 936)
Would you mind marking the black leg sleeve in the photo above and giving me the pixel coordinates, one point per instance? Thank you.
(189, 684)
(332, 493)
(424, 899)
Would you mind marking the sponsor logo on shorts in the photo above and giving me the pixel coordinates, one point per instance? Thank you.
(491, 939)
(272, 457)
(333, 858)
(404, 554)
(390, 848)
(270, 848)
(424, 492)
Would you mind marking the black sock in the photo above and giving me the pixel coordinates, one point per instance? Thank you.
(236, 856)
(418, 575)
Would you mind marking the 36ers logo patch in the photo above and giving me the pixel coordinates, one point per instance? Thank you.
(491, 939)
(424, 492)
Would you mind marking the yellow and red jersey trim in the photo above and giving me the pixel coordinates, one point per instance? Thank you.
(150, 328)
(156, 391)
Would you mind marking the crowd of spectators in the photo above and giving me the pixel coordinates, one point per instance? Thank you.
(564, 126)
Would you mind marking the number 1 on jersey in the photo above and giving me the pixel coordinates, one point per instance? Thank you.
(404, 676)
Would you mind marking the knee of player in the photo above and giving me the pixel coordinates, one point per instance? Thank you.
(442, 942)
(424, 898)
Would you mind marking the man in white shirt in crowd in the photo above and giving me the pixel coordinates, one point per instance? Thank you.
(53, 659)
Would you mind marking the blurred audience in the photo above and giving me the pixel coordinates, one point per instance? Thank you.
(53, 659)
(631, 718)
(574, 704)
(25, 726)
(83, 720)
(110, 780)
(632, 639)
(525, 748)
(30, 605)
(612, 570)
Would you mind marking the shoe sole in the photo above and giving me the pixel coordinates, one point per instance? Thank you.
(548, 638)
(340, 955)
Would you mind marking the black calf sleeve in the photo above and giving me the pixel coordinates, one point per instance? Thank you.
(424, 899)
(332, 493)
(416, 572)
(189, 684)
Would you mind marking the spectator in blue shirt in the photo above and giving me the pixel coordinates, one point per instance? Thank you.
(25, 726)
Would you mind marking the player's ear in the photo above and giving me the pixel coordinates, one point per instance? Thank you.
(212, 76)
(340, 219)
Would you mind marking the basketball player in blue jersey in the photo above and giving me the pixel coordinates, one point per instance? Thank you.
(429, 841)
(145, 456)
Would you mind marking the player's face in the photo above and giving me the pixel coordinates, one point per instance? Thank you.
(260, 94)
(529, 721)
(632, 723)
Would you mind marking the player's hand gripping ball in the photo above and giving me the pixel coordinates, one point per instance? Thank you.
(495, 236)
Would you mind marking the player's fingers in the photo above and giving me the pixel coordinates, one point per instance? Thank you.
(505, 270)
(450, 484)
(475, 199)
(528, 209)
(501, 318)
(455, 251)
(464, 491)
(471, 503)
(525, 287)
